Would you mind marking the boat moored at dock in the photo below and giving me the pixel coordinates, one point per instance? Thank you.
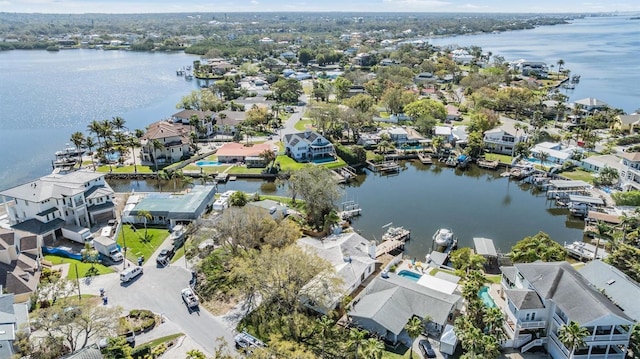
(396, 233)
(444, 237)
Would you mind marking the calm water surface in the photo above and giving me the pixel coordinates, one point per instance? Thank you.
(473, 203)
(603, 51)
(46, 96)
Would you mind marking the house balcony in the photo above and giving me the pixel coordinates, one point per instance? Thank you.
(608, 338)
(539, 324)
(600, 356)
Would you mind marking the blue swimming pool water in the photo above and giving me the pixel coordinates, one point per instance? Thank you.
(323, 160)
(113, 156)
(486, 298)
(208, 163)
(533, 160)
(409, 275)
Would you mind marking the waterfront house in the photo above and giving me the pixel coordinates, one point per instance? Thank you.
(615, 285)
(171, 209)
(20, 255)
(444, 132)
(174, 138)
(597, 163)
(42, 207)
(14, 318)
(308, 146)
(250, 102)
(353, 259)
(529, 68)
(397, 135)
(234, 152)
(389, 301)
(591, 104)
(228, 121)
(627, 123)
(206, 120)
(539, 298)
(503, 138)
(630, 173)
(555, 151)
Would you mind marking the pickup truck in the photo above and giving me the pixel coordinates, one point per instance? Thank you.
(245, 341)
(190, 299)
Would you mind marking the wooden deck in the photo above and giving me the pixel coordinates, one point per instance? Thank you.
(388, 246)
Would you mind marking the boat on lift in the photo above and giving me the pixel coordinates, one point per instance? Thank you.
(443, 237)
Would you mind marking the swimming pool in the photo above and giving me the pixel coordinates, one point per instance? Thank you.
(113, 156)
(208, 163)
(323, 160)
(486, 298)
(409, 275)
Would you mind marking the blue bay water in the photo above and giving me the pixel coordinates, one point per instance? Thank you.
(46, 96)
(604, 51)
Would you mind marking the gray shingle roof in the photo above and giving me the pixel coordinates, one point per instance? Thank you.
(53, 186)
(34, 226)
(616, 285)
(569, 290)
(392, 301)
(524, 299)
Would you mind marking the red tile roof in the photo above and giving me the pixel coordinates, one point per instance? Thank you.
(239, 149)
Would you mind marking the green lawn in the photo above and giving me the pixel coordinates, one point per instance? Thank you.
(394, 355)
(136, 247)
(179, 254)
(578, 175)
(502, 158)
(302, 125)
(125, 169)
(82, 267)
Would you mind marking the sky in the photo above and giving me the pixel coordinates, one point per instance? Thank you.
(186, 6)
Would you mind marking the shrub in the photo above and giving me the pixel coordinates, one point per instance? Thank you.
(631, 198)
(351, 155)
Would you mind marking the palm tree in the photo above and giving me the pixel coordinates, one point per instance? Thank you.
(356, 338)
(414, 328)
(145, 216)
(156, 145)
(77, 138)
(572, 336)
(372, 348)
(560, 63)
(544, 156)
(118, 123)
(89, 144)
(95, 128)
(133, 143)
(494, 321)
(325, 325)
(195, 354)
(269, 157)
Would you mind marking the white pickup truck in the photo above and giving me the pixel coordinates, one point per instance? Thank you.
(190, 298)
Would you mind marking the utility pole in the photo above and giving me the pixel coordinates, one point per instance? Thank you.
(124, 244)
(78, 282)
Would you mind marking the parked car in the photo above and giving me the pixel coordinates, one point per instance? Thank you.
(165, 256)
(107, 231)
(426, 349)
(130, 273)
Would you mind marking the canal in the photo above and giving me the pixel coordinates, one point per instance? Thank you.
(473, 203)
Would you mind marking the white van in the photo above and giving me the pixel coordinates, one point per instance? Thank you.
(130, 273)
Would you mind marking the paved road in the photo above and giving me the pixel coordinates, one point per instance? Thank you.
(158, 290)
(289, 125)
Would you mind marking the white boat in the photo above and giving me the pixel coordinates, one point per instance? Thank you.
(396, 233)
(443, 237)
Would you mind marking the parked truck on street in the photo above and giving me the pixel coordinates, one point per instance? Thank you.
(108, 247)
(77, 234)
(190, 299)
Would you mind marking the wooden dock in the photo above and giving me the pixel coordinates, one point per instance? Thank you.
(425, 158)
(222, 177)
(492, 165)
(388, 246)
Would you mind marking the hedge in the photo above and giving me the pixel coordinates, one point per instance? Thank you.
(350, 154)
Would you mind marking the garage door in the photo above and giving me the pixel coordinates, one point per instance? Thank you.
(102, 217)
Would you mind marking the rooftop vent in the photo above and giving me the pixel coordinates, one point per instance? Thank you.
(611, 281)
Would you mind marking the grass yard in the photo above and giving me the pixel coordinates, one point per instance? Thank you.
(502, 158)
(82, 266)
(136, 246)
(302, 125)
(404, 352)
(579, 175)
(124, 169)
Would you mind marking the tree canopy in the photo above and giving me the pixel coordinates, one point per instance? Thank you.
(537, 247)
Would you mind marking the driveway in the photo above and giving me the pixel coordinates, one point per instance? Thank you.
(158, 290)
(289, 125)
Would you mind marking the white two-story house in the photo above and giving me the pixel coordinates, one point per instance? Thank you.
(308, 146)
(539, 298)
(504, 138)
(173, 140)
(42, 207)
(630, 173)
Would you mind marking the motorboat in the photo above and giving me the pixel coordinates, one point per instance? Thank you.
(443, 237)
